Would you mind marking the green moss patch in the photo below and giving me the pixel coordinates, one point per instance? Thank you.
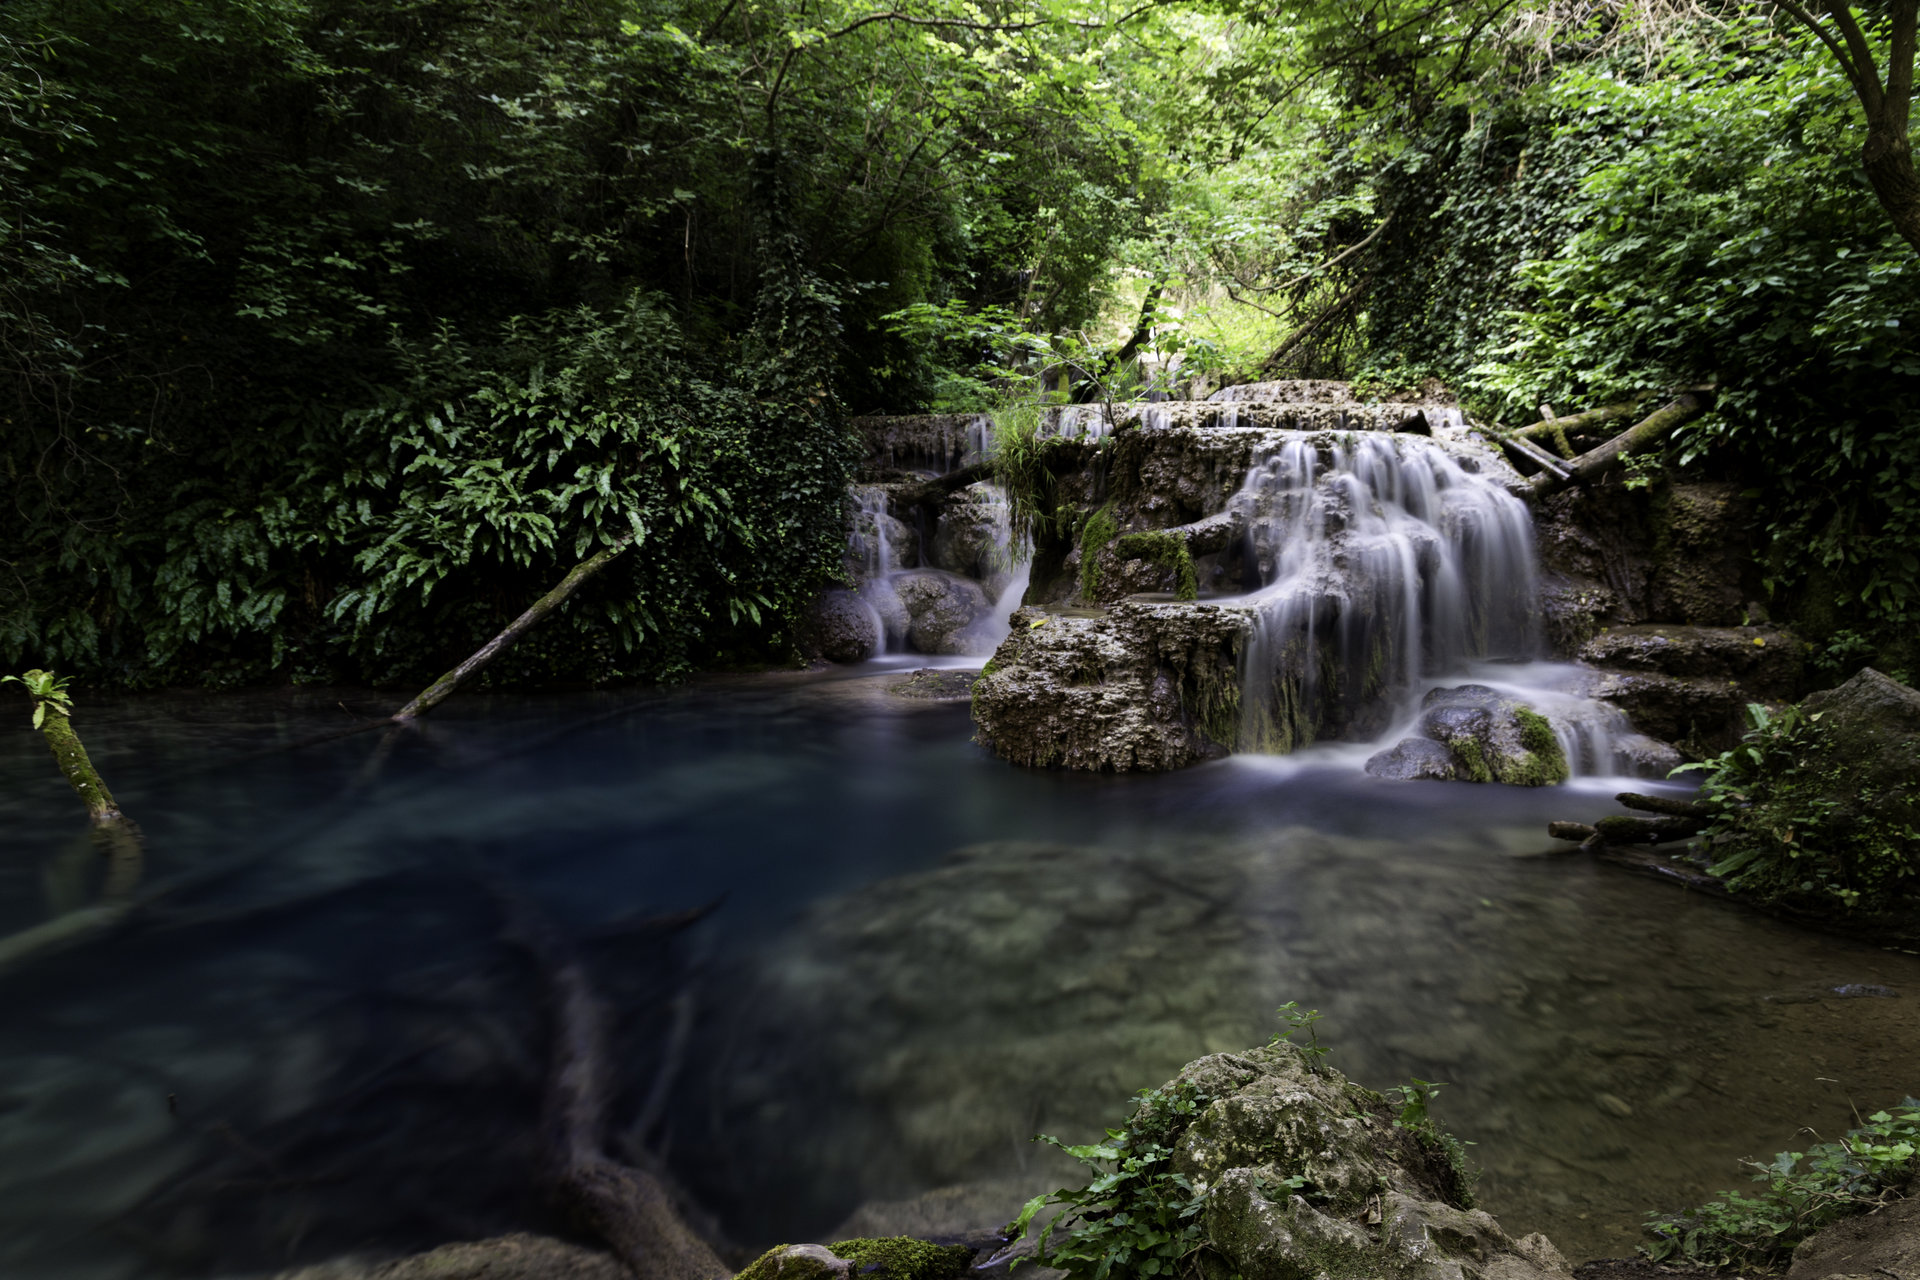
(904, 1258)
(1169, 551)
(1095, 534)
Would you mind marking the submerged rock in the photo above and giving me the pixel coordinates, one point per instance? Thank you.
(929, 685)
(1135, 688)
(1475, 734)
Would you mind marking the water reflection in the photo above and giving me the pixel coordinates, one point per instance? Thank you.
(919, 957)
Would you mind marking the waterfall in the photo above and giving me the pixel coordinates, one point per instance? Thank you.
(1378, 560)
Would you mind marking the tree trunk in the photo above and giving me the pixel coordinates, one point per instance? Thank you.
(1664, 804)
(79, 770)
(1887, 157)
(438, 692)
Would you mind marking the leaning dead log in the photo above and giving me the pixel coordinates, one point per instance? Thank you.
(627, 1208)
(115, 837)
(1642, 436)
(437, 692)
(1559, 430)
(1575, 831)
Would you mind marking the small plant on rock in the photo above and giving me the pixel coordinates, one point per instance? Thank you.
(1298, 1020)
(1137, 1217)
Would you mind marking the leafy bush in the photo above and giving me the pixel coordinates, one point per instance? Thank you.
(1805, 1191)
(1781, 831)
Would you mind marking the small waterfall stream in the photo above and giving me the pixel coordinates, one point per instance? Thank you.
(1381, 560)
(1387, 566)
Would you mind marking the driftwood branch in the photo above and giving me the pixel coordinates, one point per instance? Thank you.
(1642, 436)
(1535, 454)
(1664, 804)
(437, 692)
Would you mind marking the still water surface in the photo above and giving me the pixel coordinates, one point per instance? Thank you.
(312, 1040)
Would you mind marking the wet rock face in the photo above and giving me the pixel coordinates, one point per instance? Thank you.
(1870, 727)
(840, 627)
(1414, 759)
(1691, 684)
(1135, 688)
(1613, 556)
(1306, 1175)
(944, 611)
(1474, 734)
(970, 537)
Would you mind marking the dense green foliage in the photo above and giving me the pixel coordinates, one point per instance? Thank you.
(1804, 1192)
(1793, 824)
(334, 334)
(1136, 1217)
(1635, 223)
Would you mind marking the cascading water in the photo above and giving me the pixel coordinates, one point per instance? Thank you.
(1386, 565)
(1381, 560)
(961, 568)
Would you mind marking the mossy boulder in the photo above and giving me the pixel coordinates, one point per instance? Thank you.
(1306, 1175)
(1870, 738)
(840, 627)
(884, 1258)
(1472, 733)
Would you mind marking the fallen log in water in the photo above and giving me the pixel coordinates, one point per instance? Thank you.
(1625, 830)
(1664, 804)
(437, 692)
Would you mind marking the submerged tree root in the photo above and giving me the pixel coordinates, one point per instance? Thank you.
(628, 1208)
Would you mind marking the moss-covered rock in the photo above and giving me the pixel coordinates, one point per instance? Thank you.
(1133, 688)
(1303, 1175)
(904, 1258)
(882, 1258)
(1474, 734)
(797, 1262)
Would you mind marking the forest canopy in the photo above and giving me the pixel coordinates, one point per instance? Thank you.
(334, 332)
